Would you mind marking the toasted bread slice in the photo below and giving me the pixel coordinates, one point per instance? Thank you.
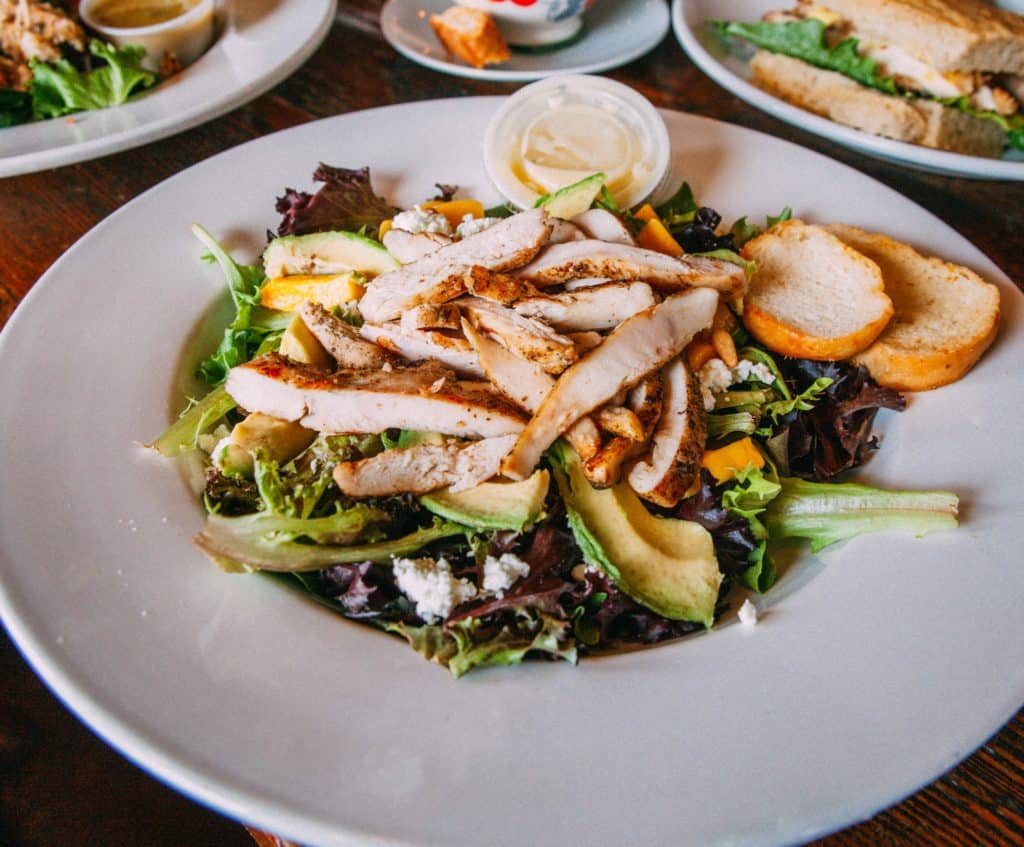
(834, 96)
(813, 297)
(470, 35)
(945, 316)
(950, 35)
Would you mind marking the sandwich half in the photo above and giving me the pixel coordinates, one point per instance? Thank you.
(947, 74)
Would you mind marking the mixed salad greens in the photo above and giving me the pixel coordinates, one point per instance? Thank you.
(528, 568)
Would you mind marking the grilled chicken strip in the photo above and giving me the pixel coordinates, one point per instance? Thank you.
(604, 468)
(409, 246)
(562, 231)
(563, 262)
(586, 282)
(418, 345)
(604, 226)
(526, 385)
(340, 339)
(425, 397)
(501, 288)
(432, 316)
(423, 468)
(441, 275)
(528, 338)
(665, 474)
(597, 307)
(638, 346)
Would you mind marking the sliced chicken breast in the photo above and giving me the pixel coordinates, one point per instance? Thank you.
(604, 468)
(441, 275)
(501, 288)
(563, 262)
(430, 316)
(423, 468)
(425, 397)
(409, 246)
(597, 307)
(528, 338)
(526, 385)
(638, 346)
(420, 345)
(604, 226)
(340, 339)
(665, 474)
(563, 231)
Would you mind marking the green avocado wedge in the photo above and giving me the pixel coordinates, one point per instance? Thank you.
(493, 505)
(572, 200)
(667, 565)
(326, 253)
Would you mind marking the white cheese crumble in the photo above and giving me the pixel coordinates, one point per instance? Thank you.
(716, 377)
(499, 574)
(418, 219)
(210, 442)
(431, 586)
(471, 226)
(747, 613)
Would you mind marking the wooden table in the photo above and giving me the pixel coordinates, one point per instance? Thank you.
(59, 785)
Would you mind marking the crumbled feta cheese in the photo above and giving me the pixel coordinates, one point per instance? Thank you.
(210, 442)
(431, 586)
(471, 226)
(499, 574)
(746, 370)
(747, 613)
(716, 377)
(418, 219)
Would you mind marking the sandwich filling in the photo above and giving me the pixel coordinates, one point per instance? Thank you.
(816, 34)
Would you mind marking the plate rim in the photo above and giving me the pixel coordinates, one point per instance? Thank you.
(202, 112)
(232, 799)
(661, 23)
(926, 159)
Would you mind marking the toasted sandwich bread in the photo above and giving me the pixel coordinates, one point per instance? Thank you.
(945, 316)
(950, 35)
(834, 96)
(470, 35)
(812, 296)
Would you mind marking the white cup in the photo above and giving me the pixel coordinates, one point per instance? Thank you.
(187, 36)
(534, 23)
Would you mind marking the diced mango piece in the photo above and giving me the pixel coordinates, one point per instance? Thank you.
(655, 236)
(300, 345)
(646, 213)
(287, 293)
(455, 210)
(725, 462)
(384, 228)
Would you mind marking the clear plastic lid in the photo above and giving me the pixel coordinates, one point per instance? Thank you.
(559, 130)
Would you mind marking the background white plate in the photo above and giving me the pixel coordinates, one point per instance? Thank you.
(616, 32)
(730, 71)
(877, 665)
(263, 41)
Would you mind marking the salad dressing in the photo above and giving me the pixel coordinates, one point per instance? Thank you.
(134, 14)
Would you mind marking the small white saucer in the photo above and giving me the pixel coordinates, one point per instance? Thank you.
(615, 32)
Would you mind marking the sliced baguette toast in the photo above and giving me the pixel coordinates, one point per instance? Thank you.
(834, 96)
(470, 35)
(813, 297)
(945, 317)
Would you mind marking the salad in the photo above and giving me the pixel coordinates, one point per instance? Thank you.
(51, 67)
(506, 434)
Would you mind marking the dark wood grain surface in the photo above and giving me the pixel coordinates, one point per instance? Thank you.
(59, 784)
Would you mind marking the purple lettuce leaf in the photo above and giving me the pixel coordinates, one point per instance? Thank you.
(346, 201)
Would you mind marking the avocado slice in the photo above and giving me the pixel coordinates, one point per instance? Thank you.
(667, 565)
(493, 505)
(326, 253)
(300, 345)
(280, 440)
(572, 200)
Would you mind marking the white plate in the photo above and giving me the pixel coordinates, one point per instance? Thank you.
(876, 667)
(615, 32)
(263, 41)
(730, 71)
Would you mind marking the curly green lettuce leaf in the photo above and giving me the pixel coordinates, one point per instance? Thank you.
(742, 231)
(251, 327)
(805, 40)
(471, 643)
(58, 88)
